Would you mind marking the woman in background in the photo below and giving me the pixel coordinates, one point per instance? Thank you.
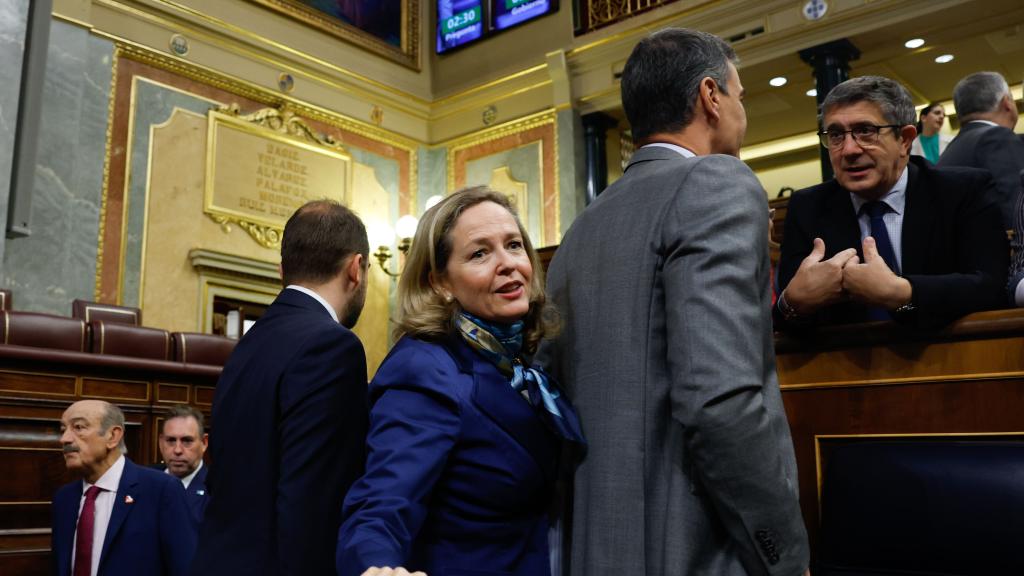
(929, 142)
(464, 436)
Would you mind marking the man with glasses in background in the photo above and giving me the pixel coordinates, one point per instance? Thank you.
(890, 237)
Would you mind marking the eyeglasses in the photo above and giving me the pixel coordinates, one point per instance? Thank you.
(863, 135)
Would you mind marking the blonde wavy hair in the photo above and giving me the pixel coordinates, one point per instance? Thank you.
(422, 312)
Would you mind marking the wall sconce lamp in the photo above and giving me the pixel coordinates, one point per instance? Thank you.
(381, 235)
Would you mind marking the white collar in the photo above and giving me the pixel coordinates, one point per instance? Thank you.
(316, 297)
(110, 479)
(685, 152)
(989, 122)
(896, 197)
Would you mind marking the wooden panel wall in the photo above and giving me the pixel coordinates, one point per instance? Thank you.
(33, 395)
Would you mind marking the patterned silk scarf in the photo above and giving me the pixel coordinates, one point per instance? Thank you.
(501, 344)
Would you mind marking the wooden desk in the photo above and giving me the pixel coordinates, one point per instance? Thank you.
(881, 379)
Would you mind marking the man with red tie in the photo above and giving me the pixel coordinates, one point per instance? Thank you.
(120, 518)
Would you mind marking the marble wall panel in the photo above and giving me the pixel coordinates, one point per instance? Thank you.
(13, 20)
(572, 168)
(154, 104)
(524, 166)
(57, 263)
(433, 175)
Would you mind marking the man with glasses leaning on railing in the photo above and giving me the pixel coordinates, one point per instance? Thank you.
(890, 237)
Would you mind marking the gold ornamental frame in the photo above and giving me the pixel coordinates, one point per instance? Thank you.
(271, 125)
(408, 54)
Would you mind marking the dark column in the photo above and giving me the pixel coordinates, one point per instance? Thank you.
(831, 63)
(594, 127)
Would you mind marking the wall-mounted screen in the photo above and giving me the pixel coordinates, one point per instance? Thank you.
(508, 13)
(458, 22)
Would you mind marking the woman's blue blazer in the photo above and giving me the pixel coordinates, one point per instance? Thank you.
(459, 474)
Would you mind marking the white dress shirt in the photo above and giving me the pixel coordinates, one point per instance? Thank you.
(103, 508)
(896, 198)
(316, 297)
(685, 152)
(188, 479)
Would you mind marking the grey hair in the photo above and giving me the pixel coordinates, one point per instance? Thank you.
(889, 95)
(979, 93)
(113, 416)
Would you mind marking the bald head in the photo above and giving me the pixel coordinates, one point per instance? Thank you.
(92, 437)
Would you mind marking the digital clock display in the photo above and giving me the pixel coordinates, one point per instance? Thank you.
(508, 13)
(458, 22)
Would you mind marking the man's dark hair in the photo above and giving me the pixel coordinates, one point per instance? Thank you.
(185, 411)
(890, 96)
(661, 80)
(318, 238)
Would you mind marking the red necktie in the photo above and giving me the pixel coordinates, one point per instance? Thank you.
(83, 536)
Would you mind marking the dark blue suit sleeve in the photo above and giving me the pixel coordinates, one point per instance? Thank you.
(322, 422)
(177, 529)
(414, 423)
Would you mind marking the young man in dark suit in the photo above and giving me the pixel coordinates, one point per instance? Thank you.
(290, 412)
(890, 237)
(120, 519)
(183, 441)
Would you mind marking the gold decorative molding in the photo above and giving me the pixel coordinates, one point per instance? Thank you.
(193, 71)
(495, 133)
(282, 127)
(111, 109)
(188, 70)
(549, 175)
(408, 54)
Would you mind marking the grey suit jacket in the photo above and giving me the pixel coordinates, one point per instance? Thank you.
(996, 149)
(667, 352)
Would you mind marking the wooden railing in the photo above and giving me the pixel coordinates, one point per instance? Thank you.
(594, 14)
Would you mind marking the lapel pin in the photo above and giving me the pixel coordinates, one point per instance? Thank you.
(201, 492)
(128, 499)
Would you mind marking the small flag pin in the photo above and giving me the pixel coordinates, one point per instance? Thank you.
(128, 499)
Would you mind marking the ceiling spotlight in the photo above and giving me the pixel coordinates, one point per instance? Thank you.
(778, 81)
(914, 43)
(944, 58)
(812, 92)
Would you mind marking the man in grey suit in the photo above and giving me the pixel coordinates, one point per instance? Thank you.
(667, 350)
(986, 139)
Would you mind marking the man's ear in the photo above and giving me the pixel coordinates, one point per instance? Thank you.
(907, 135)
(355, 269)
(116, 433)
(708, 98)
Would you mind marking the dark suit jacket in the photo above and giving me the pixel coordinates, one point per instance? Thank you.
(289, 427)
(153, 535)
(195, 494)
(996, 149)
(955, 252)
(460, 471)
